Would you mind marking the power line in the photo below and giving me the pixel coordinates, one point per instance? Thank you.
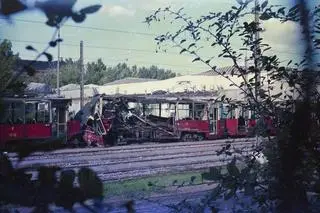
(132, 49)
(96, 47)
(135, 61)
(90, 28)
(126, 32)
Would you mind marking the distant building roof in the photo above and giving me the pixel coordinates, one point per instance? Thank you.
(223, 70)
(129, 81)
(38, 88)
(70, 87)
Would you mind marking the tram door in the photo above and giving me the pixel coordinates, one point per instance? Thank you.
(213, 119)
(60, 117)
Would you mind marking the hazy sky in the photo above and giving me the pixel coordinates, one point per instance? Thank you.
(120, 35)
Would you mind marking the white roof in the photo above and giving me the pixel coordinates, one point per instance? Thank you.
(177, 84)
(174, 85)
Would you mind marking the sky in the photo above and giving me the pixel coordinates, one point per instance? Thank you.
(119, 34)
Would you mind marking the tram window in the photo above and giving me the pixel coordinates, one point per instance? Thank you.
(228, 112)
(43, 114)
(6, 114)
(184, 111)
(18, 113)
(153, 109)
(199, 112)
(30, 113)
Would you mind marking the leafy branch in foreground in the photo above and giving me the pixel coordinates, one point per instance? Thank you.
(286, 92)
(19, 186)
(57, 13)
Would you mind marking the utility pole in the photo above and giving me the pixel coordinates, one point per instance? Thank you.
(257, 51)
(81, 74)
(58, 65)
(257, 65)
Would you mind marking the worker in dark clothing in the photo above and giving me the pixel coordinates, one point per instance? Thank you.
(241, 124)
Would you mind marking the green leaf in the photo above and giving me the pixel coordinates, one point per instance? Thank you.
(29, 47)
(265, 16)
(78, 18)
(30, 70)
(90, 184)
(215, 193)
(196, 59)
(192, 179)
(182, 41)
(248, 189)
(264, 4)
(233, 169)
(6, 168)
(277, 95)
(91, 9)
(182, 51)
(49, 56)
(53, 43)
(191, 45)
(213, 174)
(229, 194)
(47, 175)
(240, 2)
(67, 178)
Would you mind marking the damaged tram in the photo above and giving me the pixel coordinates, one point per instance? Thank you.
(114, 120)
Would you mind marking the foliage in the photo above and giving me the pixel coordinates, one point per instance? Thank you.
(293, 158)
(57, 13)
(18, 187)
(95, 72)
(122, 70)
(8, 63)
(98, 73)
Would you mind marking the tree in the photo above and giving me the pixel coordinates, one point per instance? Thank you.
(8, 62)
(70, 72)
(293, 160)
(95, 72)
(122, 70)
(17, 186)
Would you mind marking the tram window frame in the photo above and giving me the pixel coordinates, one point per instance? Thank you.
(33, 113)
(45, 111)
(184, 108)
(228, 112)
(153, 109)
(199, 112)
(7, 115)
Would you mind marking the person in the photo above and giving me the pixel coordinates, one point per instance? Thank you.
(241, 123)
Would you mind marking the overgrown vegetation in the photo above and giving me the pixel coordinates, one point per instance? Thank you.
(98, 73)
(291, 172)
(17, 186)
(286, 92)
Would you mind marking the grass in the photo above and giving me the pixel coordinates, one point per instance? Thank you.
(145, 186)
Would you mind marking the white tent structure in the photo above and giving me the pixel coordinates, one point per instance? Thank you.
(187, 83)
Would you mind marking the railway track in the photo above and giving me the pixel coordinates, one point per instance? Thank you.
(127, 162)
(132, 148)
